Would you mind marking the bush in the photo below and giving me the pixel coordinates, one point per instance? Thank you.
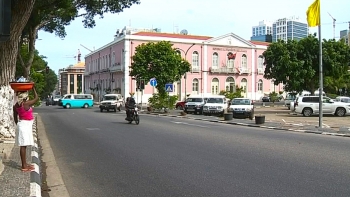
(158, 102)
(232, 95)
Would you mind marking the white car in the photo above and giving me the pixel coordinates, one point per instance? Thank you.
(309, 105)
(111, 102)
(242, 107)
(215, 105)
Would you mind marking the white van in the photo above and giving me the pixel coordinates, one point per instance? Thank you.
(215, 105)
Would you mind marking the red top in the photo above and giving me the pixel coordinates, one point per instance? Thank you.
(25, 114)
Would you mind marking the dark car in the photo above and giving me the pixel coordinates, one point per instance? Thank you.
(266, 99)
(49, 101)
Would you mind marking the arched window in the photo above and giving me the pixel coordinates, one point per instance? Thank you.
(195, 85)
(260, 64)
(244, 63)
(260, 85)
(215, 63)
(230, 84)
(230, 62)
(195, 61)
(244, 83)
(215, 86)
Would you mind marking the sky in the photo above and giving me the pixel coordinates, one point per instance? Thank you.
(198, 17)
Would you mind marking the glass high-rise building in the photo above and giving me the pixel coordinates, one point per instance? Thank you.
(262, 32)
(289, 28)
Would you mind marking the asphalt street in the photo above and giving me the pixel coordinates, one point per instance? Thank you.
(100, 154)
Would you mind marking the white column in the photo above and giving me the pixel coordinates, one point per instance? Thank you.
(82, 83)
(253, 94)
(205, 68)
(126, 68)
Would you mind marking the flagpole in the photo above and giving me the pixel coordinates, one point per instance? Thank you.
(320, 91)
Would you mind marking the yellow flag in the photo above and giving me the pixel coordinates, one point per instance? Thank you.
(313, 14)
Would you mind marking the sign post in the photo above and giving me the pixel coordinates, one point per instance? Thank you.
(169, 87)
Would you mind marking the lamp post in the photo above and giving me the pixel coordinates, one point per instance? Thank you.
(185, 52)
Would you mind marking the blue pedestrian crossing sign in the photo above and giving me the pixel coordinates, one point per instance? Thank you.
(153, 82)
(169, 87)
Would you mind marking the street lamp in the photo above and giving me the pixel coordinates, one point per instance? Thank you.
(186, 72)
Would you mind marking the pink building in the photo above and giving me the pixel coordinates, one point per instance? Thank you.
(218, 63)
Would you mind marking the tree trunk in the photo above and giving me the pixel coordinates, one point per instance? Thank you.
(21, 10)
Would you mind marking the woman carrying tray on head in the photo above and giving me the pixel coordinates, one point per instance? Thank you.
(24, 118)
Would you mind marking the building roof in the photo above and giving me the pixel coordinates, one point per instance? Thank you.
(168, 35)
(260, 43)
(80, 64)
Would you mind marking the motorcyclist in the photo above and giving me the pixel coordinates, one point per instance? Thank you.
(129, 105)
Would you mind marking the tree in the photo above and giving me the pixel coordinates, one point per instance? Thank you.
(158, 60)
(53, 21)
(45, 83)
(296, 63)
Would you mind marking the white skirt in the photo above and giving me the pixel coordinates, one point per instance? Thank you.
(24, 133)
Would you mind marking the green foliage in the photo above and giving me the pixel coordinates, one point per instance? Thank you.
(232, 95)
(296, 63)
(45, 83)
(274, 96)
(52, 16)
(158, 101)
(158, 60)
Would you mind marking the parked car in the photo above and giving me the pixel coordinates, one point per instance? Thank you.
(309, 105)
(289, 98)
(194, 104)
(242, 107)
(215, 105)
(265, 99)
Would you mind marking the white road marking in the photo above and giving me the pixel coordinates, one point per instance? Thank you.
(185, 123)
(92, 129)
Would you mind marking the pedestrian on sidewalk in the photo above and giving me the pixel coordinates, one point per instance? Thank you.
(24, 118)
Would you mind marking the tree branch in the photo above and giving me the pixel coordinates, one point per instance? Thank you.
(19, 55)
(32, 37)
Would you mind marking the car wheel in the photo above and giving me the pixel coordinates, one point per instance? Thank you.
(68, 106)
(340, 112)
(307, 112)
(86, 105)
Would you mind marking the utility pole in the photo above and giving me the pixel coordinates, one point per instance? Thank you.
(334, 20)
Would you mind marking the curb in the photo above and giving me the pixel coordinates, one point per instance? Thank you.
(254, 125)
(35, 178)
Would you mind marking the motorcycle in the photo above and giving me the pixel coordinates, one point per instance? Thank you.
(134, 116)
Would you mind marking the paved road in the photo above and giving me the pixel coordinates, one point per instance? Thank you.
(99, 154)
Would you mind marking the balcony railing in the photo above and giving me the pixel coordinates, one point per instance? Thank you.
(115, 68)
(195, 69)
(244, 70)
(222, 70)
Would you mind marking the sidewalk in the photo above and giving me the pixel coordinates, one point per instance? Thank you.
(14, 182)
